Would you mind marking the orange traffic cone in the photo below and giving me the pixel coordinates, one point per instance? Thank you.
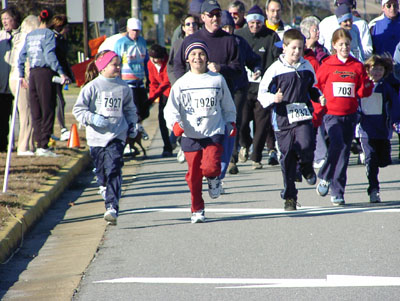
(73, 140)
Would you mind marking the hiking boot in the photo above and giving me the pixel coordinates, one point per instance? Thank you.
(337, 200)
(243, 154)
(273, 158)
(311, 179)
(256, 165)
(214, 187)
(111, 216)
(290, 205)
(198, 217)
(232, 168)
(323, 188)
(374, 196)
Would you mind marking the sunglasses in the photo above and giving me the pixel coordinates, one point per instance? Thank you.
(390, 5)
(194, 24)
(218, 15)
(236, 14)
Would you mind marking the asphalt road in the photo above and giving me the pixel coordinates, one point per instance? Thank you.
(249, 248)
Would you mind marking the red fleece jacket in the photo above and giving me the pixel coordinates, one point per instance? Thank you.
(159, 82)
(342, 84)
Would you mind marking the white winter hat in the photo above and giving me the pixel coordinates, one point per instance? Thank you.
(134, 24)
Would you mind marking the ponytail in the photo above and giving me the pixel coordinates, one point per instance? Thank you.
(45, 16)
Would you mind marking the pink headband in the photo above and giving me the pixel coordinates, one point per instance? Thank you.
(104, 60)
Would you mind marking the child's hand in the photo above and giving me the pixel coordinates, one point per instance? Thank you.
(396, 127)
(99, 121)
(231, 129)
(322, 100)
(256, 75)
(278, 96)
(177, 129)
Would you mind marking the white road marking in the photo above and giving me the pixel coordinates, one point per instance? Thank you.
(330, 281)
(308, 210)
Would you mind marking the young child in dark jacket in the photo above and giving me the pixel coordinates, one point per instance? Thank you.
(379, 113)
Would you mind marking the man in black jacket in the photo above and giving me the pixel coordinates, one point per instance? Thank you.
(262, 40)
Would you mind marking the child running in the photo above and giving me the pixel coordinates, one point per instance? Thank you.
(198, 109)
(379, 113)
(287, 86)
(105, 106)
(342, 79)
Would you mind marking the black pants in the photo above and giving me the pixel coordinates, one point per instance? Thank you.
(163, 125)
(141, 102)
(42, 97)
(6, 101)
(239, 97)
(253, 110)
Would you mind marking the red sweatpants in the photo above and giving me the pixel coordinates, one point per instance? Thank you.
(205, 162)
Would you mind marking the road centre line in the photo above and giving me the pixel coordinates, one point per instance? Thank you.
(330, 281)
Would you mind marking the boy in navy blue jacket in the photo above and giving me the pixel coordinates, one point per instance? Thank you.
(287, 86)
(379, 113)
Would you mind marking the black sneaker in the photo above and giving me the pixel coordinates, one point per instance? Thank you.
(290, 205)
(233, 169)
(273, 158)
(311, 179)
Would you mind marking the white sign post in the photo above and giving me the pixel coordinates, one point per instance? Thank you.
(95, 11)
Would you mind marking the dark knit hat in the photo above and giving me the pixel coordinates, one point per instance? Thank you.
(196, 45)
(343, 13)
(195, 7)
(255, 13)
(226, 19)
(351, 3)
(209, 6)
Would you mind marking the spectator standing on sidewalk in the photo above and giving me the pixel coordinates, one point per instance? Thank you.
(199, 108)
(105, 106)
(342, 79)
(26, 145)
(159, 88)
(262, 40)
(59, 25)
(10, 19)
(287, 86)
(39, 49)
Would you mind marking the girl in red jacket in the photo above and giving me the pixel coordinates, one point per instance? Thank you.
(159, 88)
(342, 79)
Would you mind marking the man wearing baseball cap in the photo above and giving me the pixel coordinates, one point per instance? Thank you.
(386, 32)
(330, 24)
(223, 49)
(132, 49)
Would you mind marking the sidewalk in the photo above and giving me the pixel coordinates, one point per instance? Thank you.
(54, 271)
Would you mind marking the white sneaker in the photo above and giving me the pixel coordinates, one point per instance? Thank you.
(102, 191)
(198, 217)
(45, 152)
(337, 201)
(127, 149)
(319, 164)
(221, 188)
(64, 134)
(374, 196)
(323, 188)
(111, 216)
(180, 157)
(27, 153)
(214, 187)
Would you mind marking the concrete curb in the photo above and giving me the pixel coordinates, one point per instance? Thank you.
(15, 229)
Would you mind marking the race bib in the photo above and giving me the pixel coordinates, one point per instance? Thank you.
(111, 104)
(298, 112)
(343, 89)
(204, 106)
(372, 105)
